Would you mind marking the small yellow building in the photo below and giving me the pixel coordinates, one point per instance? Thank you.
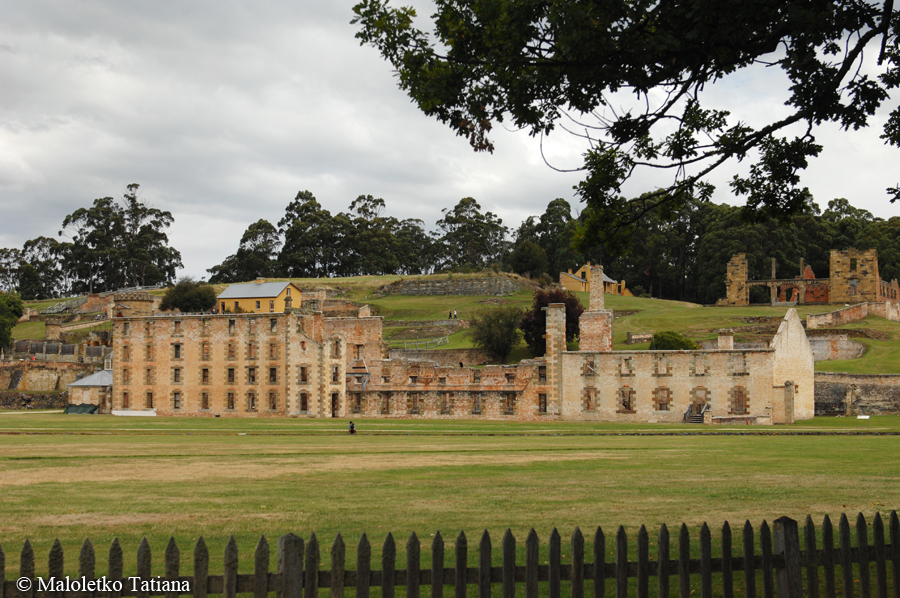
(580, 280)
(258, 297)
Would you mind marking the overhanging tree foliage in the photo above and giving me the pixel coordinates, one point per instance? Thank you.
(572, 64)
(11, 309)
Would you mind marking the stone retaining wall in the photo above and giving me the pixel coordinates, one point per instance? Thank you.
(854, 313)
(39, 376)
(488, 285)
(857, 394)
(22, 400)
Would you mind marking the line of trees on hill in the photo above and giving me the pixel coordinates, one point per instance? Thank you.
(310, 242)
(107, 246)
(684, 257)
(671, 255)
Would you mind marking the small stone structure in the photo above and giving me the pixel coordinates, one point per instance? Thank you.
(95, 389)
(482, 285)
(636, 338)
(853, 277)
(133, 304)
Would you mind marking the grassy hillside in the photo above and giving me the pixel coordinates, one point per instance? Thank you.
(634, 314)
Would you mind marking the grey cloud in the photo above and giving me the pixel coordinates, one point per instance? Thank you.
(223, 110)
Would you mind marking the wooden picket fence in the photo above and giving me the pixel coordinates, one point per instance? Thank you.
(787, 568)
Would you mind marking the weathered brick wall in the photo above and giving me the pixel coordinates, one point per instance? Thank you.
(595, 330)
(857, 394)
(404, 389)
(827, 348)
(736, 290)
(890, 310)
(21, 400)
(243, 364)
(855, 313)
(854, 276)
(95, 303)
(42, 376)
(488, 285)
(658, 386)
(596, 383)
(446, 357)
(793, 362)
(363, 336)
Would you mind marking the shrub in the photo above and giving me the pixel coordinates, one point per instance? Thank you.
(534, 321)
(496, 330)
(189, 296)
(11, 309)
(672, 341)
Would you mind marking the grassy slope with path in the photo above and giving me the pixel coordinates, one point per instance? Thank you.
(103, 477)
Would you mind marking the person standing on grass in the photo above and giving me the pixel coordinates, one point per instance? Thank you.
(352, 428)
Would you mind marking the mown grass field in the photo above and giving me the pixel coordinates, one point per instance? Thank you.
(71, 477)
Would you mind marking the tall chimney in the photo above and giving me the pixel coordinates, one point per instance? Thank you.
(597, 289)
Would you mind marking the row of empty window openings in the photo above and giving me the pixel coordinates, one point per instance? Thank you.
(661, 367)
(476, 378)
(177, 401)
(205, 375)
(662, 400)
(149, 327)
(415, 405)
(205, 351)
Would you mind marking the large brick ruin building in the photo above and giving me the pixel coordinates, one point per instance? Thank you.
(853, 277)
(301, 363)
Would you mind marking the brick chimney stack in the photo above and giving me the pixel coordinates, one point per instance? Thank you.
(597, 289)
(595, 324)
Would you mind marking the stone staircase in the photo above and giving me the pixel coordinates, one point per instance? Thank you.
(15, 378)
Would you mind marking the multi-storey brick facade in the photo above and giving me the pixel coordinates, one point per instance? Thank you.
(301, 363)
(291, 363)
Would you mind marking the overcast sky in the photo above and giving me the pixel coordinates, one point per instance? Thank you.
(222, 111)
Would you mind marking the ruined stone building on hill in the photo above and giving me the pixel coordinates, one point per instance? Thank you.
(301, 363)
(853, 278)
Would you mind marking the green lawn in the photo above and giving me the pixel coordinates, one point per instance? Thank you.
(71, 477)
(30, 330)
(416, 307)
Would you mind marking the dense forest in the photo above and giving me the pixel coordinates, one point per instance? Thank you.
(680, 255)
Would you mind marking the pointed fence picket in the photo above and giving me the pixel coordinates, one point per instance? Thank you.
(869, 570)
